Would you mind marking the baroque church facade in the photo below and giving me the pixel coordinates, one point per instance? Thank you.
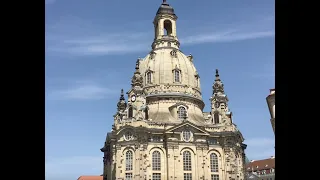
(161, 131)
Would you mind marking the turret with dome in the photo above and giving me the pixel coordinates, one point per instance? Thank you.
(162, 131)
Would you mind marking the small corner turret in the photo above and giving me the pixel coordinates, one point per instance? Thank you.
(137, 79)
(122, 104)
(219, 103)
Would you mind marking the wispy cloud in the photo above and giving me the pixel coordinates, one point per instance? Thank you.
(73, 167)
(75, 36)
(81, 91)
(227, 36)
(260, 148)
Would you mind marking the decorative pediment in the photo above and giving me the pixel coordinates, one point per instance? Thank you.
(176, 68)
(149, 70)
(187, 126)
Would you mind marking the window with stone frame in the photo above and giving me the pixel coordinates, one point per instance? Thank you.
(186, 161)
(130, 112)
(182, 112)
(129, 176)
(186, 135)
(187, 176)
(146, 114)
(216, 118)
(214, 177)
(156, 176)
(156, 161)
(129, 161)
(149, 77)
(177, 75)
(214, 167)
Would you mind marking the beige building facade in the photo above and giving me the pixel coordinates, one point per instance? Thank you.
(272, 107)
(161, 131)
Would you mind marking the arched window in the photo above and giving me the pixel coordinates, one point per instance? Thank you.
(182, 112)
(156, 161)
(187, 174)
(176, 76)
(213, 162)
(167, 28)
(214, 167)
(216, 118)
(146, 114)
(130, 112)
(186, 161)
(148, 77)
(129, 160)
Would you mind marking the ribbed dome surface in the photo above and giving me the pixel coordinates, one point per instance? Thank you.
(164, 62)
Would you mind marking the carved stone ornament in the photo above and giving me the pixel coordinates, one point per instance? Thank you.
(173, 53)
(137, 79)
(218, 87)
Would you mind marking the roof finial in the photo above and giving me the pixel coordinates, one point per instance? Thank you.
(121, 95)
(137, 64)
(164, 1)
(217, 75)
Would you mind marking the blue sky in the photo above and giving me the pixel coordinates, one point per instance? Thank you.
(91, 50)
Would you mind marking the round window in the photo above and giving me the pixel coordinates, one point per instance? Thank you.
(186, 135)
(128, 136)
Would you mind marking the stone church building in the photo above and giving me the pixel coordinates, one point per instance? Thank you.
(161, 131)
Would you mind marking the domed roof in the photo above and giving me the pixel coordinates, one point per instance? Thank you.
(165, 8)
(163, 62)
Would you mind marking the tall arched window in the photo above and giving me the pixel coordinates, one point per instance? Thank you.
(187, 175)
(216, 118)
(182, 112)
(214, 167)
(146, 114)
(129, 160)
(156, 165)
(148, 77)
(176, 75)
(167, 28)
(156, 161)
(213, 162)
(130, 112)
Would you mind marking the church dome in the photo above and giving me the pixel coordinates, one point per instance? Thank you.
(165, 8)
(171, 68)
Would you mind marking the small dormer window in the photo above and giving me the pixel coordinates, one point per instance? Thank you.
(182, 112)
(176, 76)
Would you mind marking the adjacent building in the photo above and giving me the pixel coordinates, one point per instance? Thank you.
(272, 107)
(161, 131)
(261, 169)
(90, 178)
